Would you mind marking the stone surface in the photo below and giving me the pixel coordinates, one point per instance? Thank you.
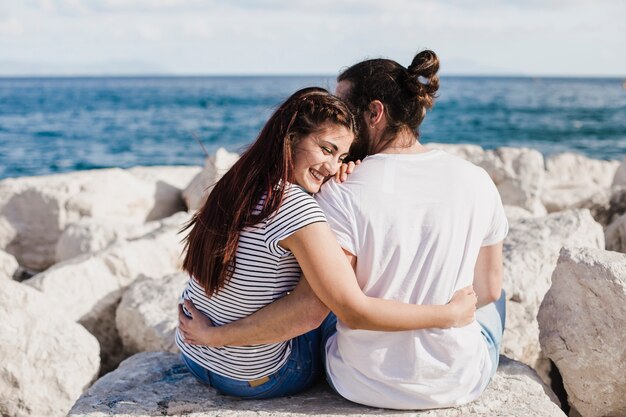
(89, 287)
(620, 174)
(606, 206)
(147, 316)
(519, 175)
(59, 200)
(531, 251)
(90, 235)
(215, 166)
(157, 384)
(515, 213)
(572, 178)
(167, 184)
(615, 235)
(582, 329)
(46, 360)
(8, 265)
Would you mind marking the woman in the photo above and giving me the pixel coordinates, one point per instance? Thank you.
(258, 228)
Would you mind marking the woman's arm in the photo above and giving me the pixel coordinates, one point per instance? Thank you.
(333, 281)
(302, 310)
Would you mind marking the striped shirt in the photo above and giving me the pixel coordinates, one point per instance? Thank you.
(264, 272)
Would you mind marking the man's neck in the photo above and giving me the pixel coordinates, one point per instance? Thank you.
(404, 143)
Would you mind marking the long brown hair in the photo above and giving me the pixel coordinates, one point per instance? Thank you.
(257, 179)
(405, 92)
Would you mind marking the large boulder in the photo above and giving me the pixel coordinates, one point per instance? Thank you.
(46, 360)
(581, 323)
(90, 235)
(519, 175)
(531, 251)
(89, 287)
(8, 265)
(59, 200)
(167, 184)
(147, 316)
(573, 178)
(158, 384)
(215, 167)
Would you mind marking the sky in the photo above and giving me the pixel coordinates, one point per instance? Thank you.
(280, 37)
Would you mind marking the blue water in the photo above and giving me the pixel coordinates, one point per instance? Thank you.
(50, 125)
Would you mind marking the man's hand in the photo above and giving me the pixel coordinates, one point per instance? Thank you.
(344, 170)
(197, 329)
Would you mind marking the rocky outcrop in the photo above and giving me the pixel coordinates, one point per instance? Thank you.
(46, 360)
(90, 235)
(8, 265)
(531, 251)
(147, 316)
(167, 184)
(581, 324)
(59, 200)
(89, 287)
(573, 178)
(215, 166)
(157, 384)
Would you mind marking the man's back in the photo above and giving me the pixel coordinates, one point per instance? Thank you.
(416, 223)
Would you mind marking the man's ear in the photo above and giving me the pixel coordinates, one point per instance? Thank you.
(376, 113)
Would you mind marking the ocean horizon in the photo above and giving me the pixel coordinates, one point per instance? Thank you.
(52, 124)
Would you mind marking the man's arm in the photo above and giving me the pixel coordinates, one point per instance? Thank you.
(488, 274)
(290, 316)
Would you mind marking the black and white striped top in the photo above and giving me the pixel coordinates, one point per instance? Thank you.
(264, 272)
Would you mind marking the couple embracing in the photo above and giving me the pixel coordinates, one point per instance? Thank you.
(387, 282)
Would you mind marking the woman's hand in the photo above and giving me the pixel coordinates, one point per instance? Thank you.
(462, 307)
(197, 329)
(344, 170)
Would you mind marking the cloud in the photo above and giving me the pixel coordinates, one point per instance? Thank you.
(11, 27)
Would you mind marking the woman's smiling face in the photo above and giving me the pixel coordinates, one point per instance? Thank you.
(320, 154)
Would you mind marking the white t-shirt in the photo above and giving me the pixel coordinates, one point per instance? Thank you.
(264, 272)
(416, 224)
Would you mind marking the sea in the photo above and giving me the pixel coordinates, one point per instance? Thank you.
(53, 125)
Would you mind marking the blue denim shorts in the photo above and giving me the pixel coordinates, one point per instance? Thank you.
(301, 371)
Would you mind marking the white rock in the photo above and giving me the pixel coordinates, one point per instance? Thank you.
(46, 360)
(573, 178)
(615, 235)
(620, 174)
(89, 287)
(8, 265)
(215, 166)
(581, 324)
(519, 175)
(167, 183)
(515, 213)
(155, 384)
(147, 316)
(58, 200)
(531, 251)
(90, 235)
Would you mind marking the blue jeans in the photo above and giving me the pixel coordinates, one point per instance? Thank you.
(491, 319)
(301, 371)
